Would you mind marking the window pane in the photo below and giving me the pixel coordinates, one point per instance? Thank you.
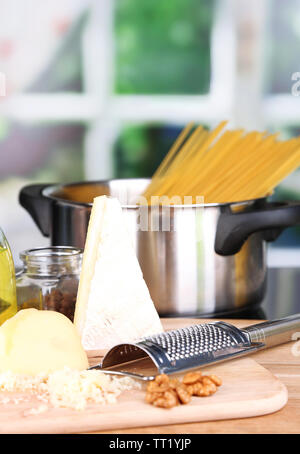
(63, 72)
(140, 149)
(41, 152)
(163, 46)
(289, 189)
(41, 51)
(34, 154)
(282, 45)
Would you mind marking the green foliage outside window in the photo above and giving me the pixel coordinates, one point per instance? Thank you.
(162, 48)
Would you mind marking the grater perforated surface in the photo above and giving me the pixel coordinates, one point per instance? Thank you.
(193, 341)
(182, 349)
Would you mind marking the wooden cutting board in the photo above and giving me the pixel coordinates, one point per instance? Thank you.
(248, 390)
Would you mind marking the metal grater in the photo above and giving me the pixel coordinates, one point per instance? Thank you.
(195, 346)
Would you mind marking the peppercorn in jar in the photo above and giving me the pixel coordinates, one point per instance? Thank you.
(49, 279)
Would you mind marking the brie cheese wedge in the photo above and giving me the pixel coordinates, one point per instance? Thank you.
(113, 303)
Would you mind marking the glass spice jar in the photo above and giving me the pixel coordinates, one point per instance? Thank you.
(49, 279)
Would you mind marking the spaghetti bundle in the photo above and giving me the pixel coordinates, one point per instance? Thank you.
(223, 165)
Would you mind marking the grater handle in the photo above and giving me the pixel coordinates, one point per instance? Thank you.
(275, 332)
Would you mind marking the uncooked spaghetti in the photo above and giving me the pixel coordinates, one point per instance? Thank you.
(223, 165)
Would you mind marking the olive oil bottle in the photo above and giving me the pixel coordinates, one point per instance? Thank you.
(8, 298)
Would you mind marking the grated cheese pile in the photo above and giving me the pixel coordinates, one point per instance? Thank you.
(67, 388)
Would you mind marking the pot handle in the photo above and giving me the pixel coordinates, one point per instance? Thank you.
(233, 229)
(38, 206)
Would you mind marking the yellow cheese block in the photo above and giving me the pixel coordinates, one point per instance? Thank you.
(34, 342)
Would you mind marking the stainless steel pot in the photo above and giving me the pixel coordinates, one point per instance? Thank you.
(210, 259)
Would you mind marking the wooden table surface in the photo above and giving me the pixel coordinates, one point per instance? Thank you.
(282, 361)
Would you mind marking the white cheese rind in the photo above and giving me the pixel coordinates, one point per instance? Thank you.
(114, 304)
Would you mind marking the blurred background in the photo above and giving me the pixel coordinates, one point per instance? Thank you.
(101, 88)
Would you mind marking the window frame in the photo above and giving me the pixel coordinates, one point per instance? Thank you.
(236, 90)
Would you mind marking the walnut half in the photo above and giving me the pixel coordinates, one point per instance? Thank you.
(167, 393)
